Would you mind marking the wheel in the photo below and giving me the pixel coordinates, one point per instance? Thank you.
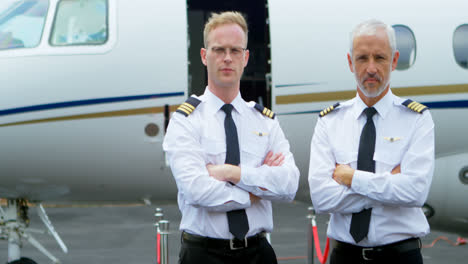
(23, 261)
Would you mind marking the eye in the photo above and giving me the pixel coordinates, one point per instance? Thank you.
(361, 58)
(236, 51)
(380, 57)
(218, 50)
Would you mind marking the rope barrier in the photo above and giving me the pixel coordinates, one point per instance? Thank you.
(321, 258)
(291, 258)
(460, 241)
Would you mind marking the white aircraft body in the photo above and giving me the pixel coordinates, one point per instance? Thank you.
(87, 88)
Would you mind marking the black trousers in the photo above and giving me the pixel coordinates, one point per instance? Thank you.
(344, 257)
(262, 253)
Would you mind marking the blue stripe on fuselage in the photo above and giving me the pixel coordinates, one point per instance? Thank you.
(85, 102)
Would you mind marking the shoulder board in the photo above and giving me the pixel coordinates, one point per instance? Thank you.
(415, 106)
(328, 110)
(265, 111)
(187, 108)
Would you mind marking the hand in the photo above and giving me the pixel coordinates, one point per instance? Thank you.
(273, 160)
(397, 169)
(343, 174)
(254, 198)
(225, 172)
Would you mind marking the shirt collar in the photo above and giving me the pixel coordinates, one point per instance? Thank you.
(214, 104)
(383, 106)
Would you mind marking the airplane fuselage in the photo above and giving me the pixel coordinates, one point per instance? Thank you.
(82, 117)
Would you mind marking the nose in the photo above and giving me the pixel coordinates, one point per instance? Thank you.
(371, 68)
(227, 56)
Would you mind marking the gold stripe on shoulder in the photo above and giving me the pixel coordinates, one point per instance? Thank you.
(188, 106)
(415, 106)
(265, 111)
(328, 110)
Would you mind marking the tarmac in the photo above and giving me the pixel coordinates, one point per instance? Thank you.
(126, 235)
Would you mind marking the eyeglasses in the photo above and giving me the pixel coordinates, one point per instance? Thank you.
(235, 52)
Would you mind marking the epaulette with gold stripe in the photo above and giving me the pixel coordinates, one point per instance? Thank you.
(328, 110)
(415, 106)
(265, 111)
(187, 108)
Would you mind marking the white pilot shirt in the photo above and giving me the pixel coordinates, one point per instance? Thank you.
(403, 137)
(199, 139)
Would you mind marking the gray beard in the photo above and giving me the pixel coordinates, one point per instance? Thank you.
(375, 94)
(379, 91)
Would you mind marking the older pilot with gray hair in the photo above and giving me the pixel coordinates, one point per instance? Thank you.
(372, 160)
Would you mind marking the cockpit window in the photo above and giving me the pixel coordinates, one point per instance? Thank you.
(22, 23)
(406, 45)
(80, 22)
(460, 45)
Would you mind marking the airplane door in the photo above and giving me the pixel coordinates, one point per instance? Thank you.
(254, 79)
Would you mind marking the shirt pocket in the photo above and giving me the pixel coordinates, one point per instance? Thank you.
(215, 150)
(389, 152)
(253, 150)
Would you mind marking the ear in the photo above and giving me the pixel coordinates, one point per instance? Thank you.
(203, 55)
(350, 63)
(246, 57)
(395, 60)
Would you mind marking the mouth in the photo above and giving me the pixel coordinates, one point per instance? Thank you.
(372, 80)
(227, 70)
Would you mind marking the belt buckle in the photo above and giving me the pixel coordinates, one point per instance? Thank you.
(364, 251)
(235, 240)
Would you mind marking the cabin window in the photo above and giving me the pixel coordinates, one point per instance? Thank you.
(464, 175)
(460, 45)
(22, 23)
(81, 22)
(406, 45)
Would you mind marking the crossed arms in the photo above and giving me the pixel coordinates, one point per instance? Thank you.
(339, 188)
(201, 184)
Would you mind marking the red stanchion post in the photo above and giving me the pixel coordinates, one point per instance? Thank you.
(310, 236)
(159, 217)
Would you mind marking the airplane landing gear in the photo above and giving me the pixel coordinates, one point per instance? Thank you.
(14, 227)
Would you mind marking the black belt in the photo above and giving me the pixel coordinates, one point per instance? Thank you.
(371, 253)
(226, 244)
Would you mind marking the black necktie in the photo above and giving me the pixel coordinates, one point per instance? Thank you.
(360, 221)
(237, 219)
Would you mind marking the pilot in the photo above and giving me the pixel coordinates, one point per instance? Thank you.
(372, 160)
(229, 158)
